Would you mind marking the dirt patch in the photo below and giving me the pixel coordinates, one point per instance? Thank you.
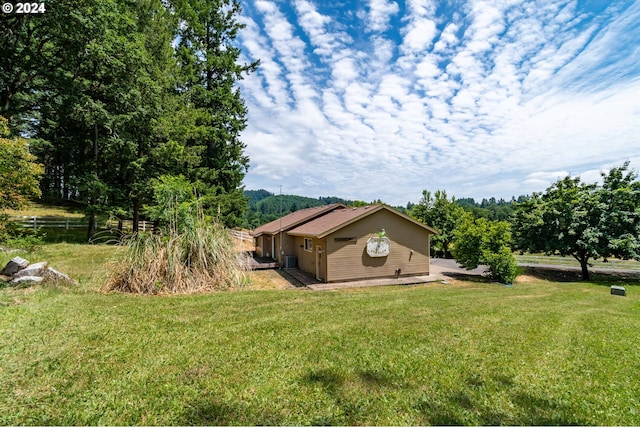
(268, 280)
(526, 278)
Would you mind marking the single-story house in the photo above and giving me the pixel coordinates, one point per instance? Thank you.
(366, 242)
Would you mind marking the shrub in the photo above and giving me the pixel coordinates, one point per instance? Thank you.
(15, 236)
(501, 265)
(197, 259)
(484, 242)
(19, 173)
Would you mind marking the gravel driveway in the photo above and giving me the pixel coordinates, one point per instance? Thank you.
(449, 267)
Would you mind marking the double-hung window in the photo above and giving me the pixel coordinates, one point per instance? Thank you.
(308, 245)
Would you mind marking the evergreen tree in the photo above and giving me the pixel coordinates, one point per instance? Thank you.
(114, 104)
(211, 101)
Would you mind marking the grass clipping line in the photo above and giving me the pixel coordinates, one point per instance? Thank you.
(199, 259)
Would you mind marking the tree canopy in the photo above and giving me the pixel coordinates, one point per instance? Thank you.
(443, 214)
(585, 221)
(118, 93)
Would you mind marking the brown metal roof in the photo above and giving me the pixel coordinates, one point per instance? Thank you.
(295, 218)
(335, 220)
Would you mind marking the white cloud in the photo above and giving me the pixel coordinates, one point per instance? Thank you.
(380, 13)
(495, 99)
(419, 35)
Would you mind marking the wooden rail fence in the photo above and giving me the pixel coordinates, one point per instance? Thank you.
(68, 223)
(242, 235)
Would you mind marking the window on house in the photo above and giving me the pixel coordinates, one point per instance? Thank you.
(308, 244)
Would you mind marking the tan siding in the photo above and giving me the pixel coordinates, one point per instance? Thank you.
(298, 251)
(258, 245)
(306, 259)
(266, 246)
(349, 260)
(289, 245)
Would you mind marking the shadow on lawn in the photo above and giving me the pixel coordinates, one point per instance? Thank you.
(212, 412)
(565, 275)
(469, 406)
(288, 277)
(352, 411)
(466, 277)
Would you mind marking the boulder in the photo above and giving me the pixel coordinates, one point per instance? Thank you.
(18, 270)
(52, 274)
(36, 269)
(15, 265)
(25, 279)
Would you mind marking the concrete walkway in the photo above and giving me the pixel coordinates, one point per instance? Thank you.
(412, 280)
(441, 269)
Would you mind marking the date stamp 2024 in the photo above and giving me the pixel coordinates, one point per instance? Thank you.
(23, 8)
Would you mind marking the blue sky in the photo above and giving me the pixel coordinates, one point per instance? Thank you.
(380, 99)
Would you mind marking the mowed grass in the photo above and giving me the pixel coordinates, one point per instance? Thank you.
(44, 209)
(463, 353)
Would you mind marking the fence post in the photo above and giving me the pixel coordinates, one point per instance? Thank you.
(66, 226)
(35, 223)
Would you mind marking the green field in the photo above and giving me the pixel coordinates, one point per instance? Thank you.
(540, 352)
(569, 261)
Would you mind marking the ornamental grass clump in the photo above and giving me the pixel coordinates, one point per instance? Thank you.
(188, 253)
(197, 259)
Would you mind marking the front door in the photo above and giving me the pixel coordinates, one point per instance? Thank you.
(319, 252)
(273, 247)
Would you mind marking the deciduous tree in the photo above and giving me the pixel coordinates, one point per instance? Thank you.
(582, 220)
(441, 213)
(620, 218)
(19, 172)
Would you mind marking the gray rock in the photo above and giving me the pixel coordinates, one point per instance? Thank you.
(25, 279)
(36, 269)
(16, 264)
(52, 274)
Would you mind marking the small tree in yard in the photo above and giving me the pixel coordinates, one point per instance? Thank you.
(174, 202)
(483, 242)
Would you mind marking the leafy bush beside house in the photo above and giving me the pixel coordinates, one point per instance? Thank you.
(483, 242)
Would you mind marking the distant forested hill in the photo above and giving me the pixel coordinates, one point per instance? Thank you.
(495, 210)
(265, 206)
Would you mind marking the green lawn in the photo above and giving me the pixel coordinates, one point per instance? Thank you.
(464, 353)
